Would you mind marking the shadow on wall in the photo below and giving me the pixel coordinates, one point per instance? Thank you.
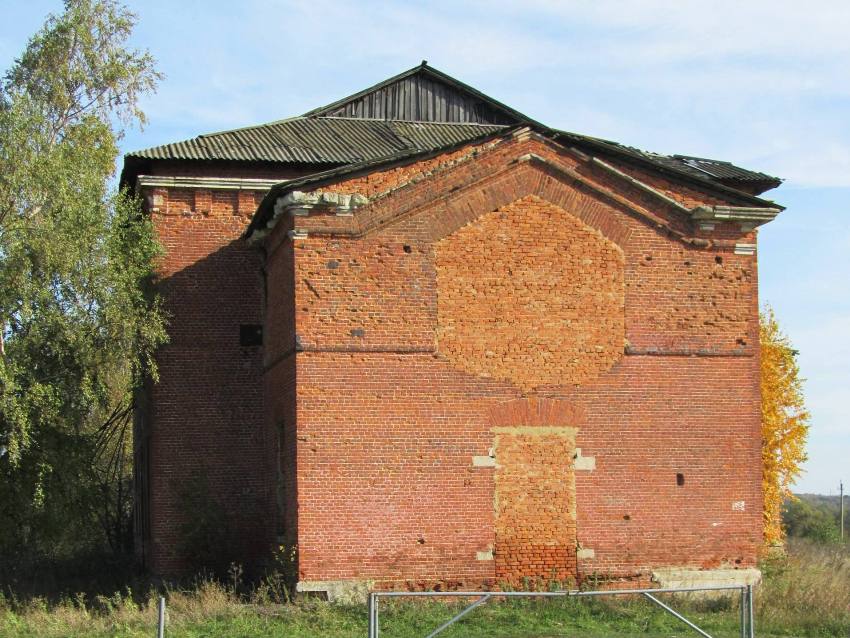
(212, 462)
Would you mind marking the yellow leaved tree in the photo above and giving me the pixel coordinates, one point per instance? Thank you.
(785, 422)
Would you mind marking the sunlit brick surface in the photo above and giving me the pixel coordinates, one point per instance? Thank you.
(535, 521)
(530, 294)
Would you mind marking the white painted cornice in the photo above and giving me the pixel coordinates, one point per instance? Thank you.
(207, 183)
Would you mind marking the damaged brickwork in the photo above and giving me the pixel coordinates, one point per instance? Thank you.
(530, 294)
(389, 418)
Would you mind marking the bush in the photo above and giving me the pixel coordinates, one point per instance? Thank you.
(812, 517)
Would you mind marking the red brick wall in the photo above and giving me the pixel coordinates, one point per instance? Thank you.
(535, 503)
(212, 449)
(383, 181)
(529, 293)
(649, 419)
(387, 424)
(279, 388)
(387, 490)
(350, 435)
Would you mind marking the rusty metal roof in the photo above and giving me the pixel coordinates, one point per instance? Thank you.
(320, 140)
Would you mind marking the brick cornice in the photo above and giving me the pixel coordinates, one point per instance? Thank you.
(471, 188)
(476, 191)
(571, 166)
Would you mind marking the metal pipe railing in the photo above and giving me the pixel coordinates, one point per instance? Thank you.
(747, 625)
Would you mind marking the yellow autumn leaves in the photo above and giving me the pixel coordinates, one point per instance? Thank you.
(785, 422)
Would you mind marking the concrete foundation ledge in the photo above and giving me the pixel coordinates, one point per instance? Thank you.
(346, 592)
(684, 577)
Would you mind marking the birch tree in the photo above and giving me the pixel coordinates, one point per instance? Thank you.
(77, 321)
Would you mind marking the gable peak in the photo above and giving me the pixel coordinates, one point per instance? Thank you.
(422, 94)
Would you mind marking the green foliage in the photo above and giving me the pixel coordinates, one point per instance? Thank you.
(806, 592)
(77, 322)
(815, 518)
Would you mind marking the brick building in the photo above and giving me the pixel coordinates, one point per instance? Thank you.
(419, 339)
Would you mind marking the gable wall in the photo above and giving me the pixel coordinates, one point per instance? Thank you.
(424, 99)
(388, 426)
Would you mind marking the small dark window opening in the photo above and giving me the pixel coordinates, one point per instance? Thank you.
(250, 335)
(680, 479)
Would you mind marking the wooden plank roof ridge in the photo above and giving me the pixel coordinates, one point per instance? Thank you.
(423, 70)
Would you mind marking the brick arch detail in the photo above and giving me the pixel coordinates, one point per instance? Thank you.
(451, 200)
(573, 197)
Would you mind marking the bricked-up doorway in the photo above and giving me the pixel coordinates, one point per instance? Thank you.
(535, 514)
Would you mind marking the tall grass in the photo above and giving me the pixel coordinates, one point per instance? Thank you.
(807, 590)
(806, 593)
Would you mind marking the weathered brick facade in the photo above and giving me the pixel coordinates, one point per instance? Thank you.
(207, 450)
(529, 294)
(513, 361)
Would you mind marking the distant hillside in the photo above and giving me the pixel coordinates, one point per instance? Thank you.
(825, 499)
(816, 516)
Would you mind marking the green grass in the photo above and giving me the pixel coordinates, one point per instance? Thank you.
(205, 617)
(805, 594)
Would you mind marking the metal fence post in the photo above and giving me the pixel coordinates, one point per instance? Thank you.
(373, 615)
(743, 611)
(752, 628)
(160, 626)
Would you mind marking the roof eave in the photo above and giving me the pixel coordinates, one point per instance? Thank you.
(704, 183)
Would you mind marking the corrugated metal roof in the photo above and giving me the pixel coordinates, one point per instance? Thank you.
(716, 171)
(320, 140)
(719, 169)
(419, 110)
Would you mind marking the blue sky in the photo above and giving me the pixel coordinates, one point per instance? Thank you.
(765, 84)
